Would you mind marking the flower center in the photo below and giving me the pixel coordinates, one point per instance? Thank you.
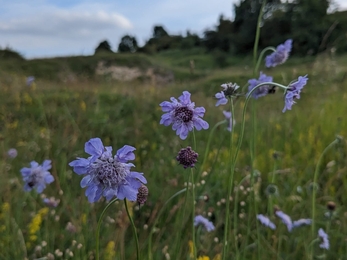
(34, 178)
(109, 171)
(184, 113)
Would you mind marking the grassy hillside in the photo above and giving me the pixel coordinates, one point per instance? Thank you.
(53, 119)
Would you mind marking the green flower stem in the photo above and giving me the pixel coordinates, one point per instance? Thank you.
(261, 58)
(314, 190)
(99, 225)
(257, 36)
(134, 230)
(233, 162)
(208, 146)
(230, 186)
(150, 256)
(273, 178)
(193, 212)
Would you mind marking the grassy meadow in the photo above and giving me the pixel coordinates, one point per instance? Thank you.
(68, 105)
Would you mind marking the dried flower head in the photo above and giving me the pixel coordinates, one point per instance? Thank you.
(182, 115)
(324, 239)
(37, 176)
(266, 221)
(331, 205)
(229, 90)
(187, 157)
(271, 190)
(142, 194)
(200, 220)
(107, 175)
(262, 90)
(280, 55)
(12, 153)
(293, 91)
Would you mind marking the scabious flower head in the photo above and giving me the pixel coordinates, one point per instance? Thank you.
(200, 220)
(229, 119)
(301, 222)
(107, 175)
(182, 115)
(187, 157)
(324, 239)
(142, 194)
(12, 153)
(262, 90)
(266, 221)
(280, 55)
(285, 219)
(293, 91)
(30, 80)
(229, 90)
(37, 176)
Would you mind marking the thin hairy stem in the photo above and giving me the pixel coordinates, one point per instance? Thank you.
(134, 230)
(99, 225)
(333, 143)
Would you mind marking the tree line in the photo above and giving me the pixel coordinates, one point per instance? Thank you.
(308, 22)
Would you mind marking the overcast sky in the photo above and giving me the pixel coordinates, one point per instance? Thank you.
(47, 28)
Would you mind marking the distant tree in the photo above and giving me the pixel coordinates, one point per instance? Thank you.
(103, 46)
(128, 44)
(159, 32)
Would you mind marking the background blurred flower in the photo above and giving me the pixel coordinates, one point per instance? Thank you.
(262, 90)
(229, 119)
(107, 175)
(285, 219)
(182, 115)
(266, 221)
(12, 153)
(37, 176)
(324, 238)
(30, 80)
(280, 55)
(200, 220)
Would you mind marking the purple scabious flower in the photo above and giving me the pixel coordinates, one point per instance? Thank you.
(37, 176)
(182, 115)
(229, 119)
(280, 55)
(12, 153)
(293, 91)
(229, 90)
(260, 91)
(285, 219)
(266, 221)
(301, 222)
(30, 80)
(107, 175)
(187, 157)
(200, 220)
(324, 239)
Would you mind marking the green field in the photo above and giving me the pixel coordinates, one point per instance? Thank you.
(68, 104)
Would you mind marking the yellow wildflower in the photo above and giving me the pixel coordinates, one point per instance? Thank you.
(35, 224)
(203, 258)
(191, 249)
(110, 251)
(83, 105)
(217, 257)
